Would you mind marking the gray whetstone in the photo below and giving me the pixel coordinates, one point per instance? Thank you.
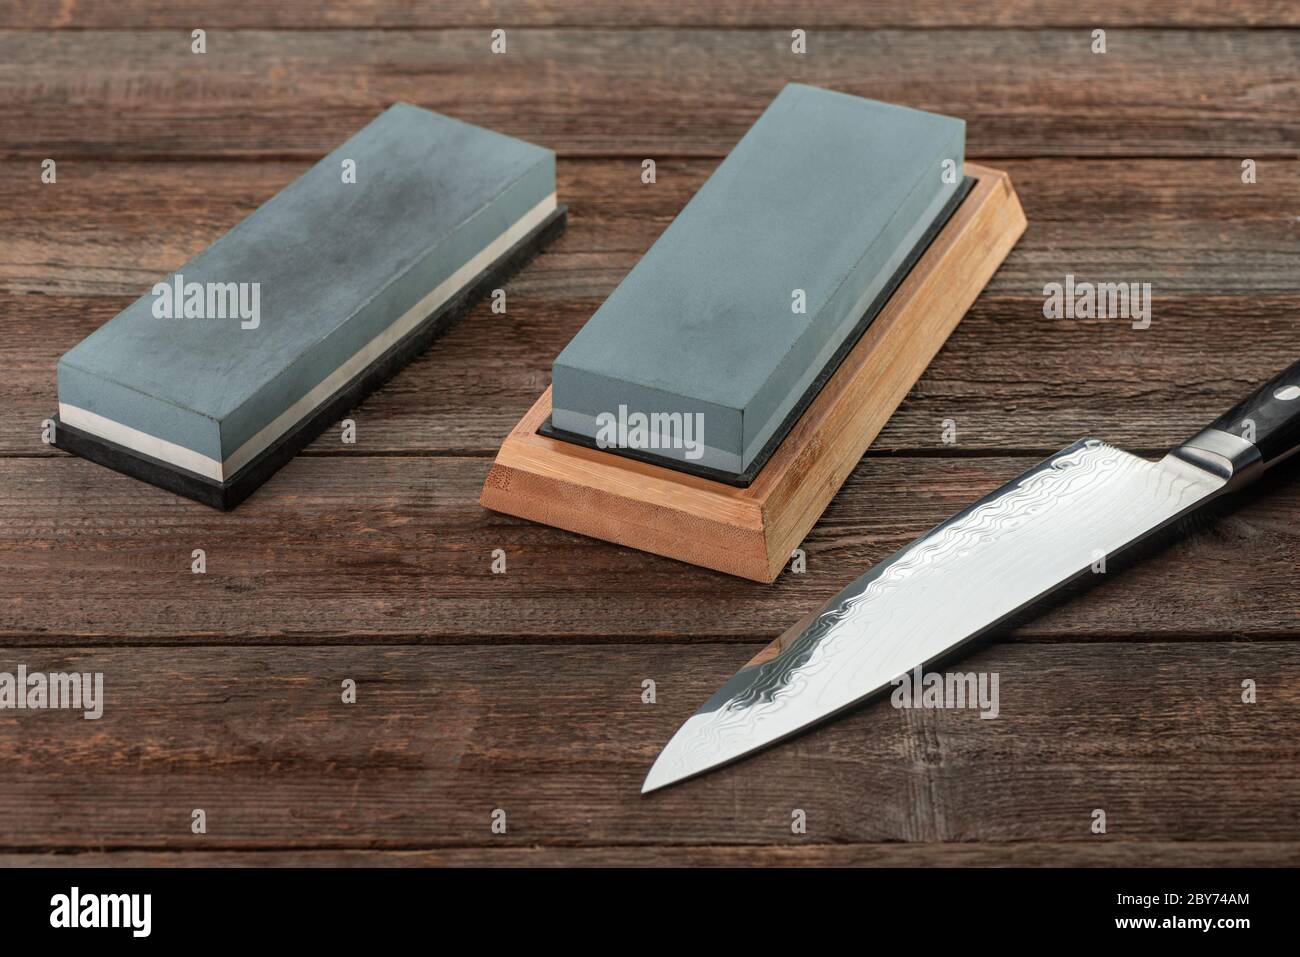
(827, 193)
(338, 264)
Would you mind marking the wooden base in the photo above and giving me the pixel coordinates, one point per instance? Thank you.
(752, 531)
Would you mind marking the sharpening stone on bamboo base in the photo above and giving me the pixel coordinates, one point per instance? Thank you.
(720, 329)
(224, 370)
(717, 400)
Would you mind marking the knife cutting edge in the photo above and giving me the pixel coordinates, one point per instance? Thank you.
(975, 571)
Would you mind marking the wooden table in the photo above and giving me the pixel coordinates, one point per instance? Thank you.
(523, 691)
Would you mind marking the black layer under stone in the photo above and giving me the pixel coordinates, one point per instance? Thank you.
(745, 479)
(226, 495)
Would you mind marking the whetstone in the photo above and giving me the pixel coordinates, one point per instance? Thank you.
(751, 531)
(225, 369)
(717, 334)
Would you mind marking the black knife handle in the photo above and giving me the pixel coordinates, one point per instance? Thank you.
(1269, 418)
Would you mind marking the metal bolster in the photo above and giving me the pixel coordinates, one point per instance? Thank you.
(1229, 456)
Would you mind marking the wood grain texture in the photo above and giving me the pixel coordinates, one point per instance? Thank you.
(438, 738)
(1190, 227)
(397, 549)
(751, 532)
(653, 92)
(749, 14)
(808, 854)
(631, 503)
(1219, 254)
(1011, 380)
(522, 690)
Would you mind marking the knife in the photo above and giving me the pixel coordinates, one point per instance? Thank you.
(976, 570)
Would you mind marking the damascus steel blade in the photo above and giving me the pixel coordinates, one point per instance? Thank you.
(954, 583)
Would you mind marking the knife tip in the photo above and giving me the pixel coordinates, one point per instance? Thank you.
(657, 778)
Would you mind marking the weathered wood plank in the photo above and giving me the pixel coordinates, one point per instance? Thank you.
(750, 14)
(1219, 254)
(396, 549)
(1008, 378)
(583, 91)
(558, 738)
(1187, 226)
(1019, 854)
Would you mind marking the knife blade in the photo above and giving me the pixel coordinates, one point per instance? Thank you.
(986, 564)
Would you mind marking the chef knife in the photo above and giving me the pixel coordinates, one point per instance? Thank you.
(975, 571)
